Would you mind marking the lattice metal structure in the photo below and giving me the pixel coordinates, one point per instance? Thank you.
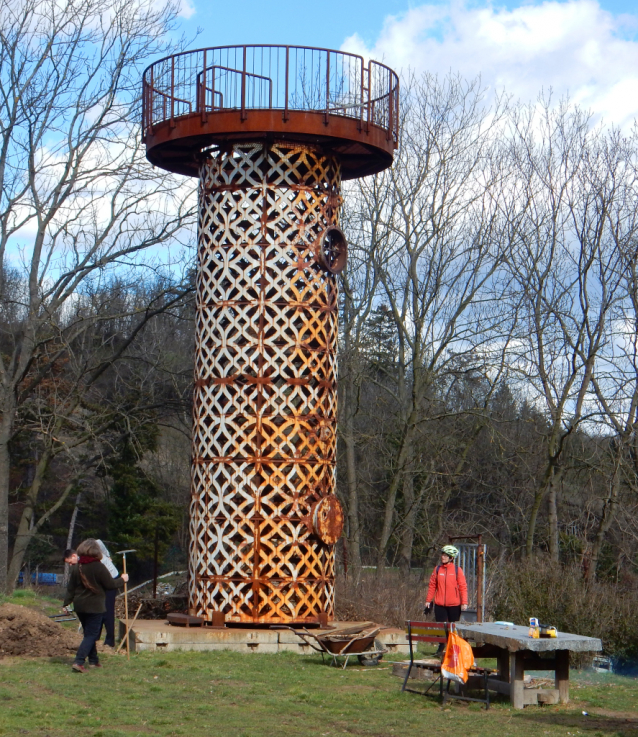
(270, 149)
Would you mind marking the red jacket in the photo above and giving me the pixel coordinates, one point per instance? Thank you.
(446, 587)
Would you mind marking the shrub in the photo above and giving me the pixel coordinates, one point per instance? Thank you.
(558, 595)
(389, 600)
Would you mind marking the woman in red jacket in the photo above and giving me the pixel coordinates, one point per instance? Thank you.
(448, 588)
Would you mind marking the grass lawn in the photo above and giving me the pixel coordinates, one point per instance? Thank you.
(234, 695)
(33, 599)
(227, 694)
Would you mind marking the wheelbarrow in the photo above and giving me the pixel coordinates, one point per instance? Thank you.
(360, 641)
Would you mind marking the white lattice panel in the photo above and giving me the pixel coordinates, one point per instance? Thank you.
(264, 438)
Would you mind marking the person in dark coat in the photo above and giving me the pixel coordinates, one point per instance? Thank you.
(88, 582)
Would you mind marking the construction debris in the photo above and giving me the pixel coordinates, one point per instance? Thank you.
(169, 599)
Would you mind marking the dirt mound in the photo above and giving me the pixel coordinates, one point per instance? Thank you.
(24, 631)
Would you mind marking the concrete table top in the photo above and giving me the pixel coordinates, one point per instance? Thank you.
(516, 637)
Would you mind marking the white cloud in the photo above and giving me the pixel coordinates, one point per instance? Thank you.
(187, 9)
(574, 47)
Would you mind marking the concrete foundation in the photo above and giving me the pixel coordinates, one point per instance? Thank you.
(155, 635)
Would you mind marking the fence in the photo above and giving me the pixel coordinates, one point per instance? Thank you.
(286, 78)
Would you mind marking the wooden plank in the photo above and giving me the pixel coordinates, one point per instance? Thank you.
(487, 651)
(562, 675)
(531, 663)
(347, 630)
(503, 659)
(435, 630)
(517, 674)
(494, 684)
(417, 674)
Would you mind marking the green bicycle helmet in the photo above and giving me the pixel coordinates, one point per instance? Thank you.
(450, 550)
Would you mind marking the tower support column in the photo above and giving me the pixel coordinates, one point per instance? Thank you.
(263, 506)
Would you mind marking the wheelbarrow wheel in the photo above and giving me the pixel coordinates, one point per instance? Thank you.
(369, 660)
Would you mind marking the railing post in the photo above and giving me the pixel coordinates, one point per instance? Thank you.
(396, 115)
(369, 94)
(243, 88)
(287, 72)
(203, 92)
(361, 97)
(390, 107)
(151, 118)
(144, 105)
(325, 115)
(172, 91)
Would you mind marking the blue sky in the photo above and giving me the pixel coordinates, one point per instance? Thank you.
(587, 49)
(325, 23)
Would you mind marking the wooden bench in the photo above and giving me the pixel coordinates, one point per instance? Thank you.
(438, 632)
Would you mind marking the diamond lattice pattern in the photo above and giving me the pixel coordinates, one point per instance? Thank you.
(264, 437)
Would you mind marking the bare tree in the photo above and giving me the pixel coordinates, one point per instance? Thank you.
(77, 415)
(615, 184)
(77, 200)
(437, 247)
(567, 267)
(359, 285)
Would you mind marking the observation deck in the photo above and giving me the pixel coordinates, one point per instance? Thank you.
(218, 96)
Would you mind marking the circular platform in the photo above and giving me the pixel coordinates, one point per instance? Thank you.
(215, 97)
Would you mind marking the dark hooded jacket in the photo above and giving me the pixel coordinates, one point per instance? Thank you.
(91, 599)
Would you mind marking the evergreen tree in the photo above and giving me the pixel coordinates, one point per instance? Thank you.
(137, 514)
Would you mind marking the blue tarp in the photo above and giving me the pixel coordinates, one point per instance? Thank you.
(44, 579)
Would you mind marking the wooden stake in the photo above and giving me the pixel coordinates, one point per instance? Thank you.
(128, 649)
(128, 629)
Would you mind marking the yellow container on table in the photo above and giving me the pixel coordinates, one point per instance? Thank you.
(534, 628)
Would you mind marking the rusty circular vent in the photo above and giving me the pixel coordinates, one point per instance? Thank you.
(327, 519)
(333, 250)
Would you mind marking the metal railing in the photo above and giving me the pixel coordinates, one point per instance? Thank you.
(286, 78)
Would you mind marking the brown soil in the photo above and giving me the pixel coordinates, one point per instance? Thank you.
(24, 631)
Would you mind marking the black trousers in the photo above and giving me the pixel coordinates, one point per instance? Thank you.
(92, 626)
(447, 613)
(109, 617)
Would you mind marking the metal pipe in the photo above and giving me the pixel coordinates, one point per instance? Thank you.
(479, 585)
(203, 100)
(286, 92)
(369, 95)
(390, 101)
(362, 69)
(243, 87)
(152, 103)
(172, 91)
(155, 561)
(325, 120)
(396, 116)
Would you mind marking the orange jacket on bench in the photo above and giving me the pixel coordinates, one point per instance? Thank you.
(446, 588)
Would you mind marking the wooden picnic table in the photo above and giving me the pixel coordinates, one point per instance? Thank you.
(516, 652)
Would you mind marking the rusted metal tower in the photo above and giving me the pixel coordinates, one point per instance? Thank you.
(271, 131)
